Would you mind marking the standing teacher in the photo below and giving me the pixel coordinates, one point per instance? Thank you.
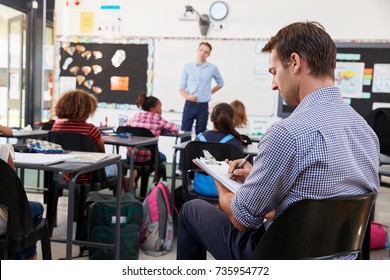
(195, 87)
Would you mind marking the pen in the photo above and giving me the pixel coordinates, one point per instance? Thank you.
(241, 164)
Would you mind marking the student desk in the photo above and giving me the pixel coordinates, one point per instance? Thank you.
(178, 135)
(21, 134)
(105, 128)
(134, 142)
(383, 159)
(255, 138)
(249, 149)
(77, 169)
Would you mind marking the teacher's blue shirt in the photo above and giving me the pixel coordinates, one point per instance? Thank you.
(196, 79)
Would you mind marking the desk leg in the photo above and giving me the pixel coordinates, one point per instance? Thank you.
(118, 211)
(131, 177)
(157, 159)
(173, 183)
(69, 226)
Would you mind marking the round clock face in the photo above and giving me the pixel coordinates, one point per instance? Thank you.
(218, 10)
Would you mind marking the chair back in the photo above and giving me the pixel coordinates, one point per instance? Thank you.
(73, 141)
(379, 120)
(20, 224)
(136, 131)
(194, 149)
(141, 131)
(317, 229)
(245, 140)
(47, 126)
(81, 143)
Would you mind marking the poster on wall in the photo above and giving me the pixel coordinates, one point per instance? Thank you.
(349, 78)
(114, 73)
(381, 82)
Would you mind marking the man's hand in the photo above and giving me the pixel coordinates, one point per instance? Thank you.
(239, 174)
(192, 98)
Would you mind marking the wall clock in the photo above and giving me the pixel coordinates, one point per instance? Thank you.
(218, 10)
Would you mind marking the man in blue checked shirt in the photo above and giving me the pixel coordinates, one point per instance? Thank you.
(195, 87)
(323, 149)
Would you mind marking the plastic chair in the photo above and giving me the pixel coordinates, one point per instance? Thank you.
(143, 169)
(73, 142)
(245, 140)
(379, 120)
(21, 232)
(318, 229)
(194, 149)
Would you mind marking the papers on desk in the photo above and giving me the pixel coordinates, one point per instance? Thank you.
(47, 159)
(85, 157)
(219, 172)
(38, 158)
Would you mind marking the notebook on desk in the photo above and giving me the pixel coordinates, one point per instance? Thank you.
(39, 158)
(86, 157)
(219, 171)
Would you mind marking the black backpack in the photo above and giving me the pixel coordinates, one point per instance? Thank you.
(101, 212)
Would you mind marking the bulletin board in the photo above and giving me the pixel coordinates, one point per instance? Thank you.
(114, 73)
(374, 58)
(376, 75)
(243, 67)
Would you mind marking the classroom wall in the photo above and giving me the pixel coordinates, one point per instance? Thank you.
(247, 22)
(349, 19)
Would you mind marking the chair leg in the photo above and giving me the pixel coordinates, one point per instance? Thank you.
(46, 245)
(52, 201)
(163, 173)
(81, 232)
(145, 173)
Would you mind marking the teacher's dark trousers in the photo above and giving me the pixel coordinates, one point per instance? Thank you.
(193, 111)
(203, 227)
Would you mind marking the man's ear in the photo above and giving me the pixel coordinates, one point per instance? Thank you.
(295, 61)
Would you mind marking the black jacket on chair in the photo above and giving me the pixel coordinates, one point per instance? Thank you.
(379, 120)
(21, 232)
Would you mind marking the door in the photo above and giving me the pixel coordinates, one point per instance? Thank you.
(16, 66)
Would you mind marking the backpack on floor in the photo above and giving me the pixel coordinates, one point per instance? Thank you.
(101, 212)
(157, 227)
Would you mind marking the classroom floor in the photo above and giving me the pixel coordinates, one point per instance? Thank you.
(382, 215)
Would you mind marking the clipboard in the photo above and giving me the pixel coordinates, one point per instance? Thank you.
(219, 171)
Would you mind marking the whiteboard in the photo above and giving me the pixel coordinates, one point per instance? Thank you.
(243, 67)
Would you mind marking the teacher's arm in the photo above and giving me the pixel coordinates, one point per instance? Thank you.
(189, 97)
(225, 198)
(218, 79)
(215, 89)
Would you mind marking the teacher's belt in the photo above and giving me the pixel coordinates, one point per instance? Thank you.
(199, 103)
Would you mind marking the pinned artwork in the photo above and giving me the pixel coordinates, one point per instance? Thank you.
(67, 62)
(69, 49)
(97, 54)
(86, 70)
(86, 54)
(118, 58)
(119, 83)
(88, 83)
(97, 90)
(80, 79)
(74, 70)
(97, 69)
(105, 70)
(80, 48)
